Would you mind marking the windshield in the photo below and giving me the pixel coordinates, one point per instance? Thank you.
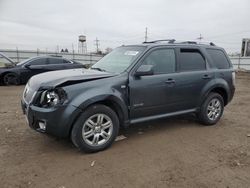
(4, 62)
(23, 62)
(119, 59)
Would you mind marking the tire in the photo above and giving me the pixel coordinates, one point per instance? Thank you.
(11, 79)
(211, 109)
(88, 132)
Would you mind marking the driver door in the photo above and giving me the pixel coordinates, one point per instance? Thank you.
(33, 67)
(151, 94)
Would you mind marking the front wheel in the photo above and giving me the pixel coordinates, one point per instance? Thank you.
(211, 109)
(96, 129)
(11, 79)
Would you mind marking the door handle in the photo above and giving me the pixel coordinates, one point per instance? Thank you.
(206, 76)
(170, 81)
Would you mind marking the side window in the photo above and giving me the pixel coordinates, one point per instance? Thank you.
(41, 61)
(219, 58)
(163, 61)
(55, 61)
(191, 60)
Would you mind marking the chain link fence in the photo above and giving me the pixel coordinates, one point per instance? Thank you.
(20, 55)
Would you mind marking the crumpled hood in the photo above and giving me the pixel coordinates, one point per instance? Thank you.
(65, 77)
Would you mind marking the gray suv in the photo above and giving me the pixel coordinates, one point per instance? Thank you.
(132, 84)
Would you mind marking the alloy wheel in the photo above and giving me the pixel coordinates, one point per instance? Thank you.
(97, 129)
(214, 109)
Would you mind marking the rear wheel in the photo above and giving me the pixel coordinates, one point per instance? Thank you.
(96, 129)
(11, 79)
(212, 109)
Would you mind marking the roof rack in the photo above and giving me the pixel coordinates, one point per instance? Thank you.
(163, 40)
(173, 41)
(197, 42)
(55, 55)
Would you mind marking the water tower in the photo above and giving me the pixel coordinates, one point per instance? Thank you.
(82, 46)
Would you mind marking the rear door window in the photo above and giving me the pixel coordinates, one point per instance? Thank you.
(55, 61)
(191, 60)
(219, 58)
(40, 61)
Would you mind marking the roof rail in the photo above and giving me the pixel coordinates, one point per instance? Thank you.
(163, 40)
(188, 42)
(173, 41)
(197, 42)
(55, 55)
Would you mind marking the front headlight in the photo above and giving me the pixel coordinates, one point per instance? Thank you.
(51, 98)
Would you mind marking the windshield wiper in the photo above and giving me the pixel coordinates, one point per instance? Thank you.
(99, 69)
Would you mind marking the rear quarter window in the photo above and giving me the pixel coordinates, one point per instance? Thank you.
(219, 58)
(66, 61)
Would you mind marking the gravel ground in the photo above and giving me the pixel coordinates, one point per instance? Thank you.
(175, 152)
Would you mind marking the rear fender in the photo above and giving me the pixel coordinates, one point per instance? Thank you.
(214, 84)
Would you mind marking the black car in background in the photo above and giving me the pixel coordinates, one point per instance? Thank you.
(15, 74)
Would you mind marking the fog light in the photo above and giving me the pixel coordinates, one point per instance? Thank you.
(42, 125)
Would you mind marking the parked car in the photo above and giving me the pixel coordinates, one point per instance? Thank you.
(20, 73)
(132, 84)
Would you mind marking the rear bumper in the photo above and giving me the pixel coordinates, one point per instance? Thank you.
(58, 121)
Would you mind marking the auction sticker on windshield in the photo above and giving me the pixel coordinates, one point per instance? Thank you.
(133, 53)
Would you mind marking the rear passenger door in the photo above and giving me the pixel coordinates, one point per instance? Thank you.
(193, 75)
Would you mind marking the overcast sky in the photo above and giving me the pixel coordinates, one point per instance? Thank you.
(44, 24)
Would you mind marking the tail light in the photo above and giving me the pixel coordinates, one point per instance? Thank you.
(233, 78)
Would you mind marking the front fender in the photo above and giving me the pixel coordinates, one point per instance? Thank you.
(92, 96)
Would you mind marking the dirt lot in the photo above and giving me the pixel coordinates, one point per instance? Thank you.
(176, 152)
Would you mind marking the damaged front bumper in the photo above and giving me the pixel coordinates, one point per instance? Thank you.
(54, 121)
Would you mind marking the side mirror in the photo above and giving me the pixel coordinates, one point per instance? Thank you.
(144, 70)
(27, 66)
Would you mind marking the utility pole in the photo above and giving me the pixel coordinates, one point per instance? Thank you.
(200, 37)
(97, 44)
(17, 55)
(146, 35)
(73, 51)
(57, 49)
